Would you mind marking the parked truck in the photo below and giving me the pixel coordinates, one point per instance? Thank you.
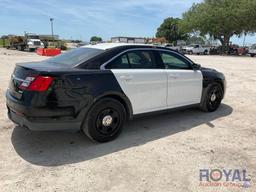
(173, 47)
(28, 42)
(252, 50)
(196, 49)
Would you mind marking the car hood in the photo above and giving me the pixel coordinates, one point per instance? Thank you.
(252, 50)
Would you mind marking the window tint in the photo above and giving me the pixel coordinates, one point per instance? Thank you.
(119, 63)
(141, 60)
(172, 61)
(135, 60)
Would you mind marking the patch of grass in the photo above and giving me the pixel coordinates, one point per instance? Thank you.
(1, 42)
(4, 42)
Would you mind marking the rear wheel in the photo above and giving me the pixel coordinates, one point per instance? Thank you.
(105, 120)
(212, 98)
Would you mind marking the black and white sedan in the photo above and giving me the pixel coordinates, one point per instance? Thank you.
(97, 87)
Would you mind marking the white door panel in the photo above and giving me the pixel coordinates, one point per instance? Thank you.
(184, 87)
(146, 88)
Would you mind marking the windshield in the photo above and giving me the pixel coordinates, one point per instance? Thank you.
(75, 56)
(194, 46)
(33, 37)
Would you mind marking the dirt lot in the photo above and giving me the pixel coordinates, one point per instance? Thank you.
(157, 153)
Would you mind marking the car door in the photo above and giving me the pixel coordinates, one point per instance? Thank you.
(184, 84)
(142, 80)
(196, 49)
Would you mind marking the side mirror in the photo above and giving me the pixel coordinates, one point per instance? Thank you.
(196, 66)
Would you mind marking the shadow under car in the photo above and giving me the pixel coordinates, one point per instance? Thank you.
(59, 148)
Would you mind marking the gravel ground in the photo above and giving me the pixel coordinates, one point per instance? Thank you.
(156, 153)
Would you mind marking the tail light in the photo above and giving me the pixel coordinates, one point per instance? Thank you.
(37, 83)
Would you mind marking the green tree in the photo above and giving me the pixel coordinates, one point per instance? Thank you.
(170, 30)
(96, 39)
(195, 40)
(221, 19)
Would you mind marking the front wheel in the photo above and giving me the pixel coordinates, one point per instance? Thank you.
(105, 120)
(212, 98)
(252, 55)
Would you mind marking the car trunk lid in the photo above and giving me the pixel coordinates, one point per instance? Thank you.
(25, 73)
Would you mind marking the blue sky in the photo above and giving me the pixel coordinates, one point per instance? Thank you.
(81, 19)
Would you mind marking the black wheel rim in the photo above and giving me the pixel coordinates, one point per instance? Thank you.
(113, 126)
(214, 97)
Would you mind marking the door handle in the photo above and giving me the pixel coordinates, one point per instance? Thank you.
(172, 76)
(126, 77)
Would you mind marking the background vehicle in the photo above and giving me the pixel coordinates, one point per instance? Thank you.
(97, 87)
(196, 49)
(252, 50)
(242, 51)
(28, 42)
(215, 50)
(171, 46)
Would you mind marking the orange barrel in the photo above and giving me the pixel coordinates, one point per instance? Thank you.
(52, 52)
(40, 51)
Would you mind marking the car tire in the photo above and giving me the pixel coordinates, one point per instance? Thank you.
(252, 55)
(105, 120)
(205, 52)
(212, 98)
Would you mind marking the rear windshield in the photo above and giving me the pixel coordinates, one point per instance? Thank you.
(75, 56)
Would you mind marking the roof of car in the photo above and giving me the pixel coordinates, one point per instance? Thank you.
(106, 46)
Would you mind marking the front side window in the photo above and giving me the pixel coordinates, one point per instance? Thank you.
(172, 61)
(134, 60)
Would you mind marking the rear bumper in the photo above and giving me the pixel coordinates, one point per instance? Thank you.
(43, 125)
(31, 118)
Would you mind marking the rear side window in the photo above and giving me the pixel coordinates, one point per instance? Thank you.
(172, 61)
(134, 60)
(119, 63)
(141, 60)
